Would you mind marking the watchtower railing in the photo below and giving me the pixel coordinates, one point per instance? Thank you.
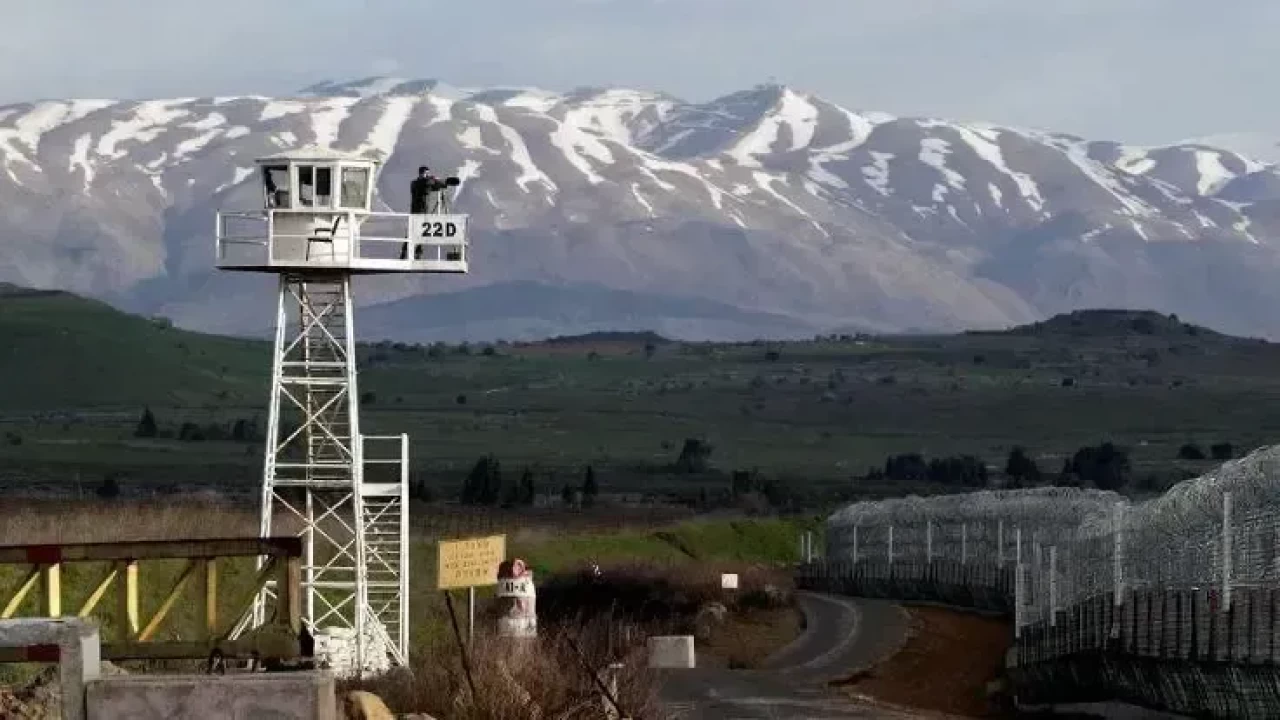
(374, 241)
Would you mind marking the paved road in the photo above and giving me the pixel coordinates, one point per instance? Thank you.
(841, 636)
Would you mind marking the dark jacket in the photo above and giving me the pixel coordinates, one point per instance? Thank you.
(419, 190)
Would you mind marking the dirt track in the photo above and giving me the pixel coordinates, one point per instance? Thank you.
(841, 637)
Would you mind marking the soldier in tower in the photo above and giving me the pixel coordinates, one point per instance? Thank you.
(420, 189)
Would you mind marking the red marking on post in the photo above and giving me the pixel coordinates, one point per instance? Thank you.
(43, 653)
(44, 554)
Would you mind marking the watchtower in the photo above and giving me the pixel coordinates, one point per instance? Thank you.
(316, 230)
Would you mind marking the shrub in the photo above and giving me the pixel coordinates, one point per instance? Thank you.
(1190, 451)
(551, 681)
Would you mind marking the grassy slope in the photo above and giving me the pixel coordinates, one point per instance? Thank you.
(819, 411)
(62, 351)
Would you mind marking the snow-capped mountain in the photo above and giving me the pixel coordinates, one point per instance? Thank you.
(768, 200)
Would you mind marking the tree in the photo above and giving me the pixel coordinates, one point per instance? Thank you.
(243, 430)
(566, 494)
(965, 470)
(1222, 451)
(907, 467)
(190, 432)
(483, 485)
(109, 488)
(694, 456)
(1021, 469)
(528, 491)
(590, 489)
(1190, 451)
(649, 350)
(1104, 466)
(146, 425)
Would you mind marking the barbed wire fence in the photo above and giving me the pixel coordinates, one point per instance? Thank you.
(1078, 569)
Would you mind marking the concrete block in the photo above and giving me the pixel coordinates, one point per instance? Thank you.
(305, 695)
(78, 654)
(672, 651)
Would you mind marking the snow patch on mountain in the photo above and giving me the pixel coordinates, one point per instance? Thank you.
(529, 172)
(933, 152)
(986, 143)
(277, 109)
(877, 175)
(385, 134)
(327, 119)
(148, 121)
(576, 146)
(1213, 174)
(80, 159)
(1135, 161)
(241, 174)
(793, 112)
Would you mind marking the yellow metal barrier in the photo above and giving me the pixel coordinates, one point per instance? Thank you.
(135, 637)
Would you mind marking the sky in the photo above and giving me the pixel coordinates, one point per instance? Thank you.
(1141, 71)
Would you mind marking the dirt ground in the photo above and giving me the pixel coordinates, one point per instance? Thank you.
(945, 665)
(746, 639)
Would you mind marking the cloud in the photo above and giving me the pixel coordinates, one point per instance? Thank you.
(1142, 70)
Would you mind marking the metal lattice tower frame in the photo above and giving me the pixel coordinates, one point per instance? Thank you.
(354, 573)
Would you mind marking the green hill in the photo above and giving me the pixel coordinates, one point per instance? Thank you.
(815, 413)
(1113, 323)
(63, 351)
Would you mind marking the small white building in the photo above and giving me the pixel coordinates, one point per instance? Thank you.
(317, 215)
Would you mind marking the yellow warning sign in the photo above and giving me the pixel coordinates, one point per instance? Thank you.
(470, 563)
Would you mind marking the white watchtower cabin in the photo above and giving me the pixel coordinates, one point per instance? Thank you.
(345, 493)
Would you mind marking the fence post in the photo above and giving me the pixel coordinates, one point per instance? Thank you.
(855, 544)
(1019, 591)
(964, 543)
(928, 541)
(1226, 551)
(1000, 543)
(890, 556)
(1117, 565)
(1053, 586)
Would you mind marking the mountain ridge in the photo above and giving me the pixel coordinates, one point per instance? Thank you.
(769, 200)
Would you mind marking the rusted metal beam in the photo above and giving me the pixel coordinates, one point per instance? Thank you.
(150, 550)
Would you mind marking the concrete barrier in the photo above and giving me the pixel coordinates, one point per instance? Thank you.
(307, 695)
(70, 642)
(672, 652)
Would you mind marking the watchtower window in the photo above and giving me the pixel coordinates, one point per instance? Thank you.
(315, 186)
(355, 187)
(324, 187)
(275, 181)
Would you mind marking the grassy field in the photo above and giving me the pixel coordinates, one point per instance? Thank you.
(75, 376)
(553, 543)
